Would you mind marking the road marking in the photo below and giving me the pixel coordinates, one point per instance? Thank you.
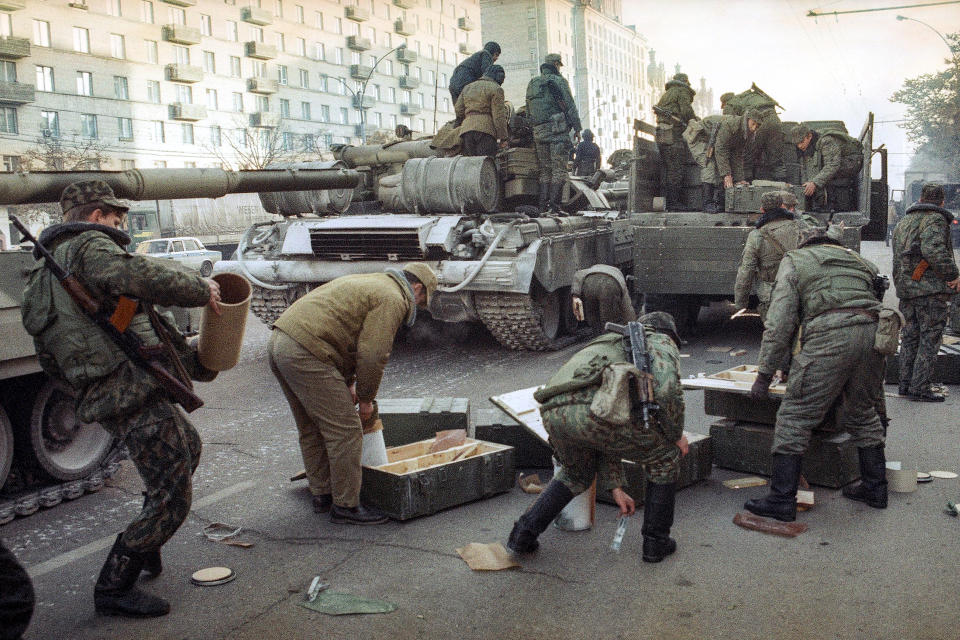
(64, 559)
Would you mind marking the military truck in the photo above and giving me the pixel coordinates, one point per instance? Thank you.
(683, 261)
(46, 454)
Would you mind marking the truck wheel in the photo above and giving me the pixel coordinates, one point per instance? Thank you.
(206, 268)
(61, 445)
(6, 446)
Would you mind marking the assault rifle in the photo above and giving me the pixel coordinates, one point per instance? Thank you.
(666, 114)
(116, 322)
(642, 361)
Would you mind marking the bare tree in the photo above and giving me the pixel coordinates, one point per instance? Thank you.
(258, 147)
(73, 153)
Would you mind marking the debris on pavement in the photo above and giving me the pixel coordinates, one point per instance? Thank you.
(953, 509)
(719, 349)
(530, 483)
(618, 536)
(738, 352)
(316, 586)
(923, 477)
(804, 500)
(212, 576)
(744, 483)
(300, 476)
(487, 557)
(334, 603)
(943, 475)
(224, 533)
(775, 527)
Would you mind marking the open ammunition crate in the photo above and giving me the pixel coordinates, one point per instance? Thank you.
(416, 482)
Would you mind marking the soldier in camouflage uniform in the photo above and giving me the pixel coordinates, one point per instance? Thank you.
(588, 447)
(777, 232)
(699, 136)
(730, 144)
(674, 111)
(926, 277)
(600, 295)
(825, 304)
(790, 203)
(126, 400)
(830, 164)
(553, 114)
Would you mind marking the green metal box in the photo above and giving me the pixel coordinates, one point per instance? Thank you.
(407, 420)
(694, 467)
(739, 406)
(493, 425)
(746, 198)
(417, 483)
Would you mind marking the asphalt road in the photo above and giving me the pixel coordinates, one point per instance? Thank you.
(856, 573)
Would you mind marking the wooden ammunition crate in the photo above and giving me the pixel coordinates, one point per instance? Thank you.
(407, 420)
(746, 199)
(417, 483)
(493, 425)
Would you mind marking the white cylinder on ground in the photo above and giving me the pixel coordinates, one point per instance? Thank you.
(374, 452)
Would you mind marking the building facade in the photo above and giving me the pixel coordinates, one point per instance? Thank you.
(177, 83)
(605, 61)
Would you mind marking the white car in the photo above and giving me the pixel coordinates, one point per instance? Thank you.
(189, 252)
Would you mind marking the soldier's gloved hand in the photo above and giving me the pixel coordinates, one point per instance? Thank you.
(761, 387)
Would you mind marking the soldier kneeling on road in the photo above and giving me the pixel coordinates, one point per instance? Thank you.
(588, 446)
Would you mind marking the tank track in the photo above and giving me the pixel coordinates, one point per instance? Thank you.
(268, 304)
(27, 501)
(514, 320)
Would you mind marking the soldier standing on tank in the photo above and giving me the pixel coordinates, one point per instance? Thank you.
(699, 136)
(553, 114)
(825, 299)
(674, 111)
(126, 400)
(777, 232)
(483, 115)
(600, 295)
(328, 352)
(828, 159)
(588, 448)
(730, 141)
(926, 277)
(586, 157)
(471, 69)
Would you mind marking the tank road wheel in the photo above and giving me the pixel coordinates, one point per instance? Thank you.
(520, 321)
(6, 446)
(268, 304)
(62, 446)
(206, 268)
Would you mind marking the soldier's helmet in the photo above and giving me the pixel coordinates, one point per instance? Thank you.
(798, 133)
(725, 98)
(426, 276)
(682, 77)
(819, 235)
(554, 59)
(753, 114)
(88, 192)
(771, 200)
(789, 199)
(662, 322)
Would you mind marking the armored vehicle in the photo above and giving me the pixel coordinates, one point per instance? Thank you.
(46, 455)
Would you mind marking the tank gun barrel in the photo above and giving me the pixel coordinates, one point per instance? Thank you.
(171, 184)
(378, 154)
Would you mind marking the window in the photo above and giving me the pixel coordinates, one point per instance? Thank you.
(235, 66)
(305, 111)
(240, 137)
(304, 78)
(238, 102)
(160, 164)
(186, 133)
(318, 20)
(284, 108)
(11, 163)
(233, 34)
(319, 52)
(8, 71)
(299, 10)
(215, 136)
(88, 125)
(178, 16)
(41, 33)
(209, 65)
(388, 67)
(344, 115)
(259, 69)
(125, 126)
(8, 120)
(50, 123)
(392, 93)
(378, 119)
(181, 54)
(337, 25)
(256, 33)
(6, 26)
(118, 48)
(263, 103)
(113, 8)
(152, 55)
(81, 40)
(159, 135)
(184, 93)
(446, 104)
(126, 165)
(376, 92)
(153, 91)
(325, 112)
(287, 141)
(282, 74)
(281, 42)
(84, 84)
(146, 11)
(212, 99)
(278, 8)
(338, 56)
(301, 47)
(354, 58)
(121, 89)
(206, 25)
(323, 83)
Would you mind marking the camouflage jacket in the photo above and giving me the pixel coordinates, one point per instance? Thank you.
(677, 99)
(765, 247)
(480, 107)
(830, 155)
(730, 142)
(923, 234)
(544, 95)
(811, 281)
(72, 348)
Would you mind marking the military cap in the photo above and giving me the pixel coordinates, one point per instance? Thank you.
(496, 73)
(932, 193)
(553, 58)
(90, 191)
(753, 114)
(771, 200)
(725, 98)
(681, 77)
(492, 48)
(662, 322)
(798, 133)
(422, 272)
(789, 199)
(819, 235)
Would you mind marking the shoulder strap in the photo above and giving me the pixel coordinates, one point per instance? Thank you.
(766, 233)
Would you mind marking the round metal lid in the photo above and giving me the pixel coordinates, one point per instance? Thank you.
(212, 576)
(943, 475)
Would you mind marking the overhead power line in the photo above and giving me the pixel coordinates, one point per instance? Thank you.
(821, 14)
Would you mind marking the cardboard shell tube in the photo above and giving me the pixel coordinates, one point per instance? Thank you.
(221, 336)
(902, 480)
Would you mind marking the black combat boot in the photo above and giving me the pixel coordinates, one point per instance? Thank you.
(556, 191)
(657, 520)
(709, 204)
(927, 394)
(903, 389)
(523, 537)
(359, 514)
(873, 478)
(115, 593)
(781, 502)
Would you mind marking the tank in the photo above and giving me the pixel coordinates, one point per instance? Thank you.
(46, 455)
(509, 270)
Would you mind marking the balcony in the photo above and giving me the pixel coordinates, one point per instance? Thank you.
(184, 73)
(410, 109)
(256, 15)
(264, 119)
(182, 3)
(464, 48)
(407, 55)
(404, 27)
(466, 23)
(262, 85)
(360, 71)
(260, 51)
(16, 93)
(180, 34)
(358, 44)
(406, 4)
(358, 14)
(11, 47)
(409, 82)
(367, 103)
(12, 5)
(188, 112)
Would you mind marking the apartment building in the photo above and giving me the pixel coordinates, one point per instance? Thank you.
(183, 83)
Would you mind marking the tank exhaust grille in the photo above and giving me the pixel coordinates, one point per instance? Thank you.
(366, 244)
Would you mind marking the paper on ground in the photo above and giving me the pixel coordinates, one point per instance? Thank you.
(486, 557)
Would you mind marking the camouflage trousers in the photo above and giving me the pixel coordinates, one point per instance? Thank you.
(954, 323)
(587, 448)
(833, 364)
(920, 339)
(165, 448)
(602, 301)
(553, 152)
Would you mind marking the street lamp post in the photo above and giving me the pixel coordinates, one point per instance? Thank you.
(358, 97)
(954, 55)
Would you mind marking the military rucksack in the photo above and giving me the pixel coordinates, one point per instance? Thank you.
(849, 146)
(751, 99)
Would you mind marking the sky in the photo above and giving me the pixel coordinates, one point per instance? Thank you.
(826, 68)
